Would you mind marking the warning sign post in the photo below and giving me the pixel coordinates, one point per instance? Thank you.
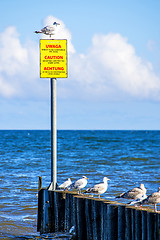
(53, 65)
(53, 58)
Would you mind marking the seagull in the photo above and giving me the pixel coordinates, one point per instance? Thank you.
(49, 30)
(153, 199)
(66, 184)
(135, 193)
(79, 184)
(99, 188)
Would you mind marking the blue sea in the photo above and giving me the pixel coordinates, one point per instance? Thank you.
(128, 158)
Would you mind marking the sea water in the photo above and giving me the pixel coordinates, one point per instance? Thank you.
(128, 158)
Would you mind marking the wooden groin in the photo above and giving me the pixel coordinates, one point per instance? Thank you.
(94, 219)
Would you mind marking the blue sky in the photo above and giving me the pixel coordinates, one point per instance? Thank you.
(113, 65)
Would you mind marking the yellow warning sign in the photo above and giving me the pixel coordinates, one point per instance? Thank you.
(53, 58)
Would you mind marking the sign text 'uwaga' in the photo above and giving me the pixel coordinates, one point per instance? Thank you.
(53, 58)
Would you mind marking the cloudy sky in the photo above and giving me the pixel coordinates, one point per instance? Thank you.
(113, 64)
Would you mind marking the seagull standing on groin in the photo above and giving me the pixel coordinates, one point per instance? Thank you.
(135, 193)
(49, 30)
(99, 188)
(66, 184)
(79, 184)
(152, 199)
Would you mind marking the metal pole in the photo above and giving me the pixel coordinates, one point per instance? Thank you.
(53, 134)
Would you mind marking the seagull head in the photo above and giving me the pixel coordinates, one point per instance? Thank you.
(55, 23)
(105, 179)
(142, 186)
(84, 177)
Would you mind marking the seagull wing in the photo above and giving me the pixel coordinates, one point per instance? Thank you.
(48, 28)
(131, 194)
(65, 184)
(153, 198)
(134, 193)
(98, 188)
(78, 183)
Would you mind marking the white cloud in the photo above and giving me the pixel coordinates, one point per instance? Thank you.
(13, 55)
(109, 70)
(19, 67)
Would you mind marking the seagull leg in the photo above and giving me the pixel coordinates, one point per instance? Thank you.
(155, 208)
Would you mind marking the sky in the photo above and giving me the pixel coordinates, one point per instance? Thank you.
(113, 65)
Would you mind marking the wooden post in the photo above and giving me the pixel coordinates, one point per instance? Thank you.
(144, 225)
(96, 219)
(152, 226)
(133, 223)
(67, 216)
(40, 183)
(70, 218)
(138, 225)
(88, 211)
(112, 222)
(128, 225)
(59, 211)
(81, 219)
(104, 231)
(43, 205)
(121, 222)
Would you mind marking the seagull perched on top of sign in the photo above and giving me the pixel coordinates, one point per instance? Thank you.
(49, 30)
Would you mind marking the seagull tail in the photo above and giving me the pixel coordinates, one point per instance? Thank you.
(38, 31)
(139, 201)
(71, 186)
(121, 195)
(89, 190)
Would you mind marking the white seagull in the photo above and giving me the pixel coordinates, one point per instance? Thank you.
(135, 193)
(153, 199)
(49, 30)
(99, 188)
(66, 184)
(79, 184)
